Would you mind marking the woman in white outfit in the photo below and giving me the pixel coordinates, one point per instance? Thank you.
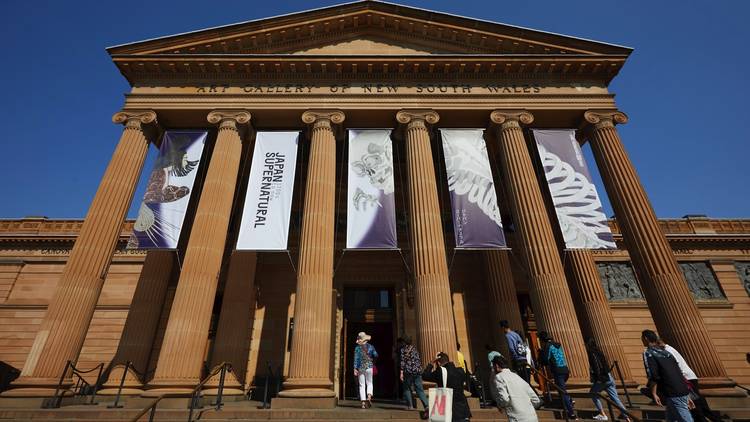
(513, 394)
(364, 365)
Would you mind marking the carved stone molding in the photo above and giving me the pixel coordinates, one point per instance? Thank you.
(604, 118)
(143, 120)
(511, 118)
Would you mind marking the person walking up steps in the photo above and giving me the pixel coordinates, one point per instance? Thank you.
(668, 386)
(364, 358)
(411, 374)
(513, 394)
(553, 357)
(518, 352)
(602, 380)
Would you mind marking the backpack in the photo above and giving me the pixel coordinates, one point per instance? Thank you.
(556, 356)
(521, 349)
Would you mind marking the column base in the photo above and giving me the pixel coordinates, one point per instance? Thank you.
(303, 402)
(232, 386)
(720, 387)
(307, 388)
(131, 387)
(179, 386)
(38, 387)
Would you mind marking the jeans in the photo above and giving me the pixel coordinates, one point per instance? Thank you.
(609, 386)
(416, 381)
(677, 409)
(560, 380)
(365, 384)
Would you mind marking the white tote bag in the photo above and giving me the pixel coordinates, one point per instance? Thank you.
(441, 401)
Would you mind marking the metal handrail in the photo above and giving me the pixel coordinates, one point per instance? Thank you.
(616, 366)
(140, 375)
(609, 401)
(559, 389)
(56, 399)
(220, 368)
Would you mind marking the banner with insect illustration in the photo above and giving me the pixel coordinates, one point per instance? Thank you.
(476, 216)
(371, 204)
(577, 204)
(268, 201)
(167, 196)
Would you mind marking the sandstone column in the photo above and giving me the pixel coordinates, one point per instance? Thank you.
(181, 357)
(309, 360)
(235, 323)
(548, 287)
(141, 324)
(675, 313)
(61, 334)
(502, 296)
(598, 321)
(431, 285)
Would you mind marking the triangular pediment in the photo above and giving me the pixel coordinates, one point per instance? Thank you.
(368, 28)
(366, 46)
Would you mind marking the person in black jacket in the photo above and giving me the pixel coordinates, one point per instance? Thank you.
(668, 386)
(601, 380)
(455, 381)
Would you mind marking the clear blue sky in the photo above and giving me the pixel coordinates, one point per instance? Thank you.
(683, 89)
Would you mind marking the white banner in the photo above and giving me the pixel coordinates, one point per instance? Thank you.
(476, 216)
(167, 196)
(579, 210)
(268, 201)
(371, 205)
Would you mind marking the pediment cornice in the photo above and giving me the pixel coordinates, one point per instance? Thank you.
(445, 32)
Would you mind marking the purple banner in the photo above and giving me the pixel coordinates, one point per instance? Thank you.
(577, 205)
(371, 205)
(170, 185)
(476, 217)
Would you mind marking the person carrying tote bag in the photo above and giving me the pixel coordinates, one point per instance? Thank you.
(449, 394)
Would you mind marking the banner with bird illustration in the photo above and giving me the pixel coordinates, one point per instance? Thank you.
(167, 196)
(371, 205)
(476, 216)
(577, 204)
(268, 201)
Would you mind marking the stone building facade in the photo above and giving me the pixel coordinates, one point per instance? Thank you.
(70, 291)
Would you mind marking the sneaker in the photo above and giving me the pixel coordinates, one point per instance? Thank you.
(601, 417)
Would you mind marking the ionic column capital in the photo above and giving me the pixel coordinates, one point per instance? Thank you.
(230, 119)
(604, 118)
(417, 118)
(511, 118)
(141, 120)
(323, 118)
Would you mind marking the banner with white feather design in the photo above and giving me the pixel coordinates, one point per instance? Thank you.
(476, 216)
(371, 204)
(577, 204)
(167, 196)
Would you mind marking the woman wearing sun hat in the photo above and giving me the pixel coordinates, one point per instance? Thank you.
(364, 357)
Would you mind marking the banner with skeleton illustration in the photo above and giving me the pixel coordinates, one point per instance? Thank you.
(579, 210)
(167, 196)
(268, 201)
(476, 216)
(371, 205)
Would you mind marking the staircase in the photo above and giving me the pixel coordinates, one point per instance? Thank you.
(346, 411)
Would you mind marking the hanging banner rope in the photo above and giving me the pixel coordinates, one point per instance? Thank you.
(476, 216)
(577, 204)
(167, 196)
(268, 201)
(371, 203)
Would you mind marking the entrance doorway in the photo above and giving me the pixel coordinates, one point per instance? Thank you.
(369, 309)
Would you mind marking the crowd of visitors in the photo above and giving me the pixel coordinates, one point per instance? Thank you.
(671, 382)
